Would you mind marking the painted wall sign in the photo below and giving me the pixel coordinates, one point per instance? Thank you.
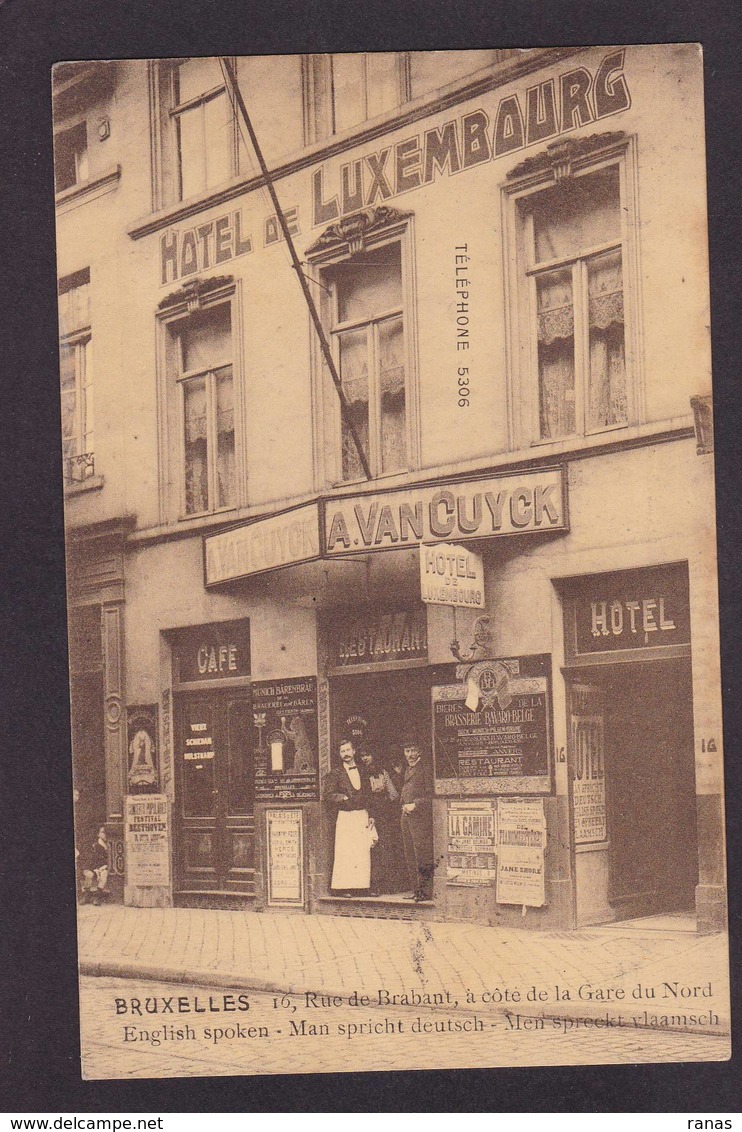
(186, 251)
(220, 651)
(141, 735)
(519, 503)
(285, 738)
(451, 575)
(492, 728)
(146, 829)
(375, 640)
(554, 106)
(633, 609)
(471, 852)
(284, 838)
(279, 540)
(521, 840)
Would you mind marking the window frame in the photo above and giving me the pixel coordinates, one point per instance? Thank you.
(79, 128)
(78, 340)
(311, 96)
(521, 271)
(172, 438)
(167, 166)
(328, 431)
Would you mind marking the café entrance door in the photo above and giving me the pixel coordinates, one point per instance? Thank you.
(216, 827)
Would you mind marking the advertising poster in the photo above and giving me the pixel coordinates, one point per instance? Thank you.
(285, 727)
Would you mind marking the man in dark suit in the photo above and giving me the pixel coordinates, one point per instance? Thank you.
(417, 823)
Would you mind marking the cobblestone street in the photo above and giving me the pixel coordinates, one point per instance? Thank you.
(264, 1039)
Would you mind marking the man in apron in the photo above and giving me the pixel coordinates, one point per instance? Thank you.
(348, 791)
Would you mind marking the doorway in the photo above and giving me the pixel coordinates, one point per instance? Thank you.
(215, 835)
(378, 711)
(632, 723)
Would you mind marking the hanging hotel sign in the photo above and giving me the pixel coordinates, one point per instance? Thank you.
(372, 640)
(512, 504)
(451, 575)
(264, 544)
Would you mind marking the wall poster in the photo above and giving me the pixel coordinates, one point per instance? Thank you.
(521, 840)
(284, 838)
(147, 834)
(471, 857)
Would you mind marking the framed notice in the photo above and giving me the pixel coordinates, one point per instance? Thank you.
(284, 839)
(492, 727)
(285, 739)
(146, 825)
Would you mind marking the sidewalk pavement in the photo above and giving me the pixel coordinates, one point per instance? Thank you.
(292, 953)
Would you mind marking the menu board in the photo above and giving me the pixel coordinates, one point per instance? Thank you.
(492, 728)
(285, 739)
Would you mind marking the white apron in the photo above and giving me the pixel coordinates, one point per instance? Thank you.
(352, 865)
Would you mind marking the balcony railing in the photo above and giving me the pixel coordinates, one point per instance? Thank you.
(79, 468)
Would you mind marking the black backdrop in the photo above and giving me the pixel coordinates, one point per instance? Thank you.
(39, 1066)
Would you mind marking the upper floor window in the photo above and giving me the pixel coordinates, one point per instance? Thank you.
(70, 157)
(76, 373)
(367, 286)
(204, 126)
(344, 90)
(574, 309)
(199, 349)
(341, 91)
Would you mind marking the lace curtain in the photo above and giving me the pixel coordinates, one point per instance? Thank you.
(607, 401)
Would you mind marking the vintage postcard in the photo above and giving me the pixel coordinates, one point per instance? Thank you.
(389, 485)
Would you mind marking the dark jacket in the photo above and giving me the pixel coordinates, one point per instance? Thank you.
(418, 788)
(337, 782)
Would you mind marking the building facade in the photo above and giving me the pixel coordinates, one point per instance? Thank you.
(507, 255)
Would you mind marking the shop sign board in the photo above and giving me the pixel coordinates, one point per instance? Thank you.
(371, 640)
(451, 575)
(632, 609)
(146, 824)
(521, 840)
(220, 651)
(511, 504)
(264, 544)
(471, 852)
(285, 738)
(492, 728)
(284, 839)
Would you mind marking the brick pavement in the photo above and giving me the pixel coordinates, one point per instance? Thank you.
(474, 964)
